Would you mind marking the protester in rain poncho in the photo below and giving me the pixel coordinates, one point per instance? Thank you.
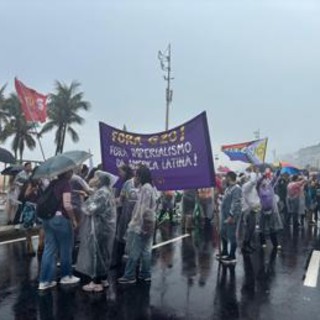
(141, 229)
(251, 206)
(97, 232)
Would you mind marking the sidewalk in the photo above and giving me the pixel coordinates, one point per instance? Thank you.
(10, 232)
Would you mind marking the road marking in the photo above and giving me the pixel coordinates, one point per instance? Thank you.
(161, 244)
(158, 245)
(313, 270)
(16, 240)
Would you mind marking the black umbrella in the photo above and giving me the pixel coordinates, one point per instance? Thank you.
(12, 170)
(6, 156)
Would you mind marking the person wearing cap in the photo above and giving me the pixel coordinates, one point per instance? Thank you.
(97, 233)
(230, 213)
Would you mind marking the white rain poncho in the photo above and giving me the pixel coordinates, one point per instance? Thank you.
(97, 233)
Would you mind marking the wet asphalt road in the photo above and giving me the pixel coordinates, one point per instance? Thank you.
(187, 283)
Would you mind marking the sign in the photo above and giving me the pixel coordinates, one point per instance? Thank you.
(179, 159)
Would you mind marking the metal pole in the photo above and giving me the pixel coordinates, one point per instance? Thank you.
(168, 92)
(257, 134)
(165, 62)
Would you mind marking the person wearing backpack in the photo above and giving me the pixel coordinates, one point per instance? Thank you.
(58, 224)
(270, 221)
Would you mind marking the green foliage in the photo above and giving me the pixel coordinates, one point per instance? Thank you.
(15, 126)
(63, 113)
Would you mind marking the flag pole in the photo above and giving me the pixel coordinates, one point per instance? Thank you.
(35, 128)
(265, 151)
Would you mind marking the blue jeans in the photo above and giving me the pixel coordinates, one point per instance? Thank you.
(140, 248)
(58, 240)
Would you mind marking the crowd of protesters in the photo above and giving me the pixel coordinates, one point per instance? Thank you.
(100, 221)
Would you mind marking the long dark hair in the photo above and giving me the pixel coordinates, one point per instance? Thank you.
(144, 175)
(128, 171)
(91, 174)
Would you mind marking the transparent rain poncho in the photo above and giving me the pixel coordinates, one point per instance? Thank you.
(97, 233)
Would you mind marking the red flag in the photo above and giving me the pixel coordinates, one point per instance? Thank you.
(34, 104)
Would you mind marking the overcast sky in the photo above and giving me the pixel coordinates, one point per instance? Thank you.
(249, 64)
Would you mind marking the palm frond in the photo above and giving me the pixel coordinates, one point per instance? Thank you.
(74, 135)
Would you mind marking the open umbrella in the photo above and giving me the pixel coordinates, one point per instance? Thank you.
(288, 168)
(6, 156)
(12, 170)
(61, 164)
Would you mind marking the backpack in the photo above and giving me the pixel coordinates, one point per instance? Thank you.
(28, 215)
(48, 203)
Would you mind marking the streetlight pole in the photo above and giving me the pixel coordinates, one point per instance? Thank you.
(165, 63)
(257, 134)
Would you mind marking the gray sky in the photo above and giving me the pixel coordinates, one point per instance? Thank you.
(249, 64)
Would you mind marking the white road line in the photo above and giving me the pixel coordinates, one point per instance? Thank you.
(16, 240)
(161, 244)
(158, 245)
(313, 270)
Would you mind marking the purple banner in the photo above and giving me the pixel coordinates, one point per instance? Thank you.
(179, 159)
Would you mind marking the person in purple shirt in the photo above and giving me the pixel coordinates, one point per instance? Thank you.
(270, 221)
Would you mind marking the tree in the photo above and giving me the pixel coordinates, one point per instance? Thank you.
(3, 113)
(63, 113)
(16, 127)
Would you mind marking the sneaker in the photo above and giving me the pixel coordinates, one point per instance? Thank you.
(230, 261)
(126, 281)
(93, 287)
(69, 280)
(105, 283)
(221, 256)
(47, 285)
(279, 247)
(147, 279)
(263, 246)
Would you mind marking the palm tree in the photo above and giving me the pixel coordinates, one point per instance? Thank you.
(16, 127)
(63, 111)
(3, 114)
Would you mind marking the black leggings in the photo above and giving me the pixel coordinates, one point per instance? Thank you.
(273, 238)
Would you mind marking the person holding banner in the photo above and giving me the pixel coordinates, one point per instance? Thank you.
(206, 203)
(189, 200)
(231, 208)
(141, 229)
